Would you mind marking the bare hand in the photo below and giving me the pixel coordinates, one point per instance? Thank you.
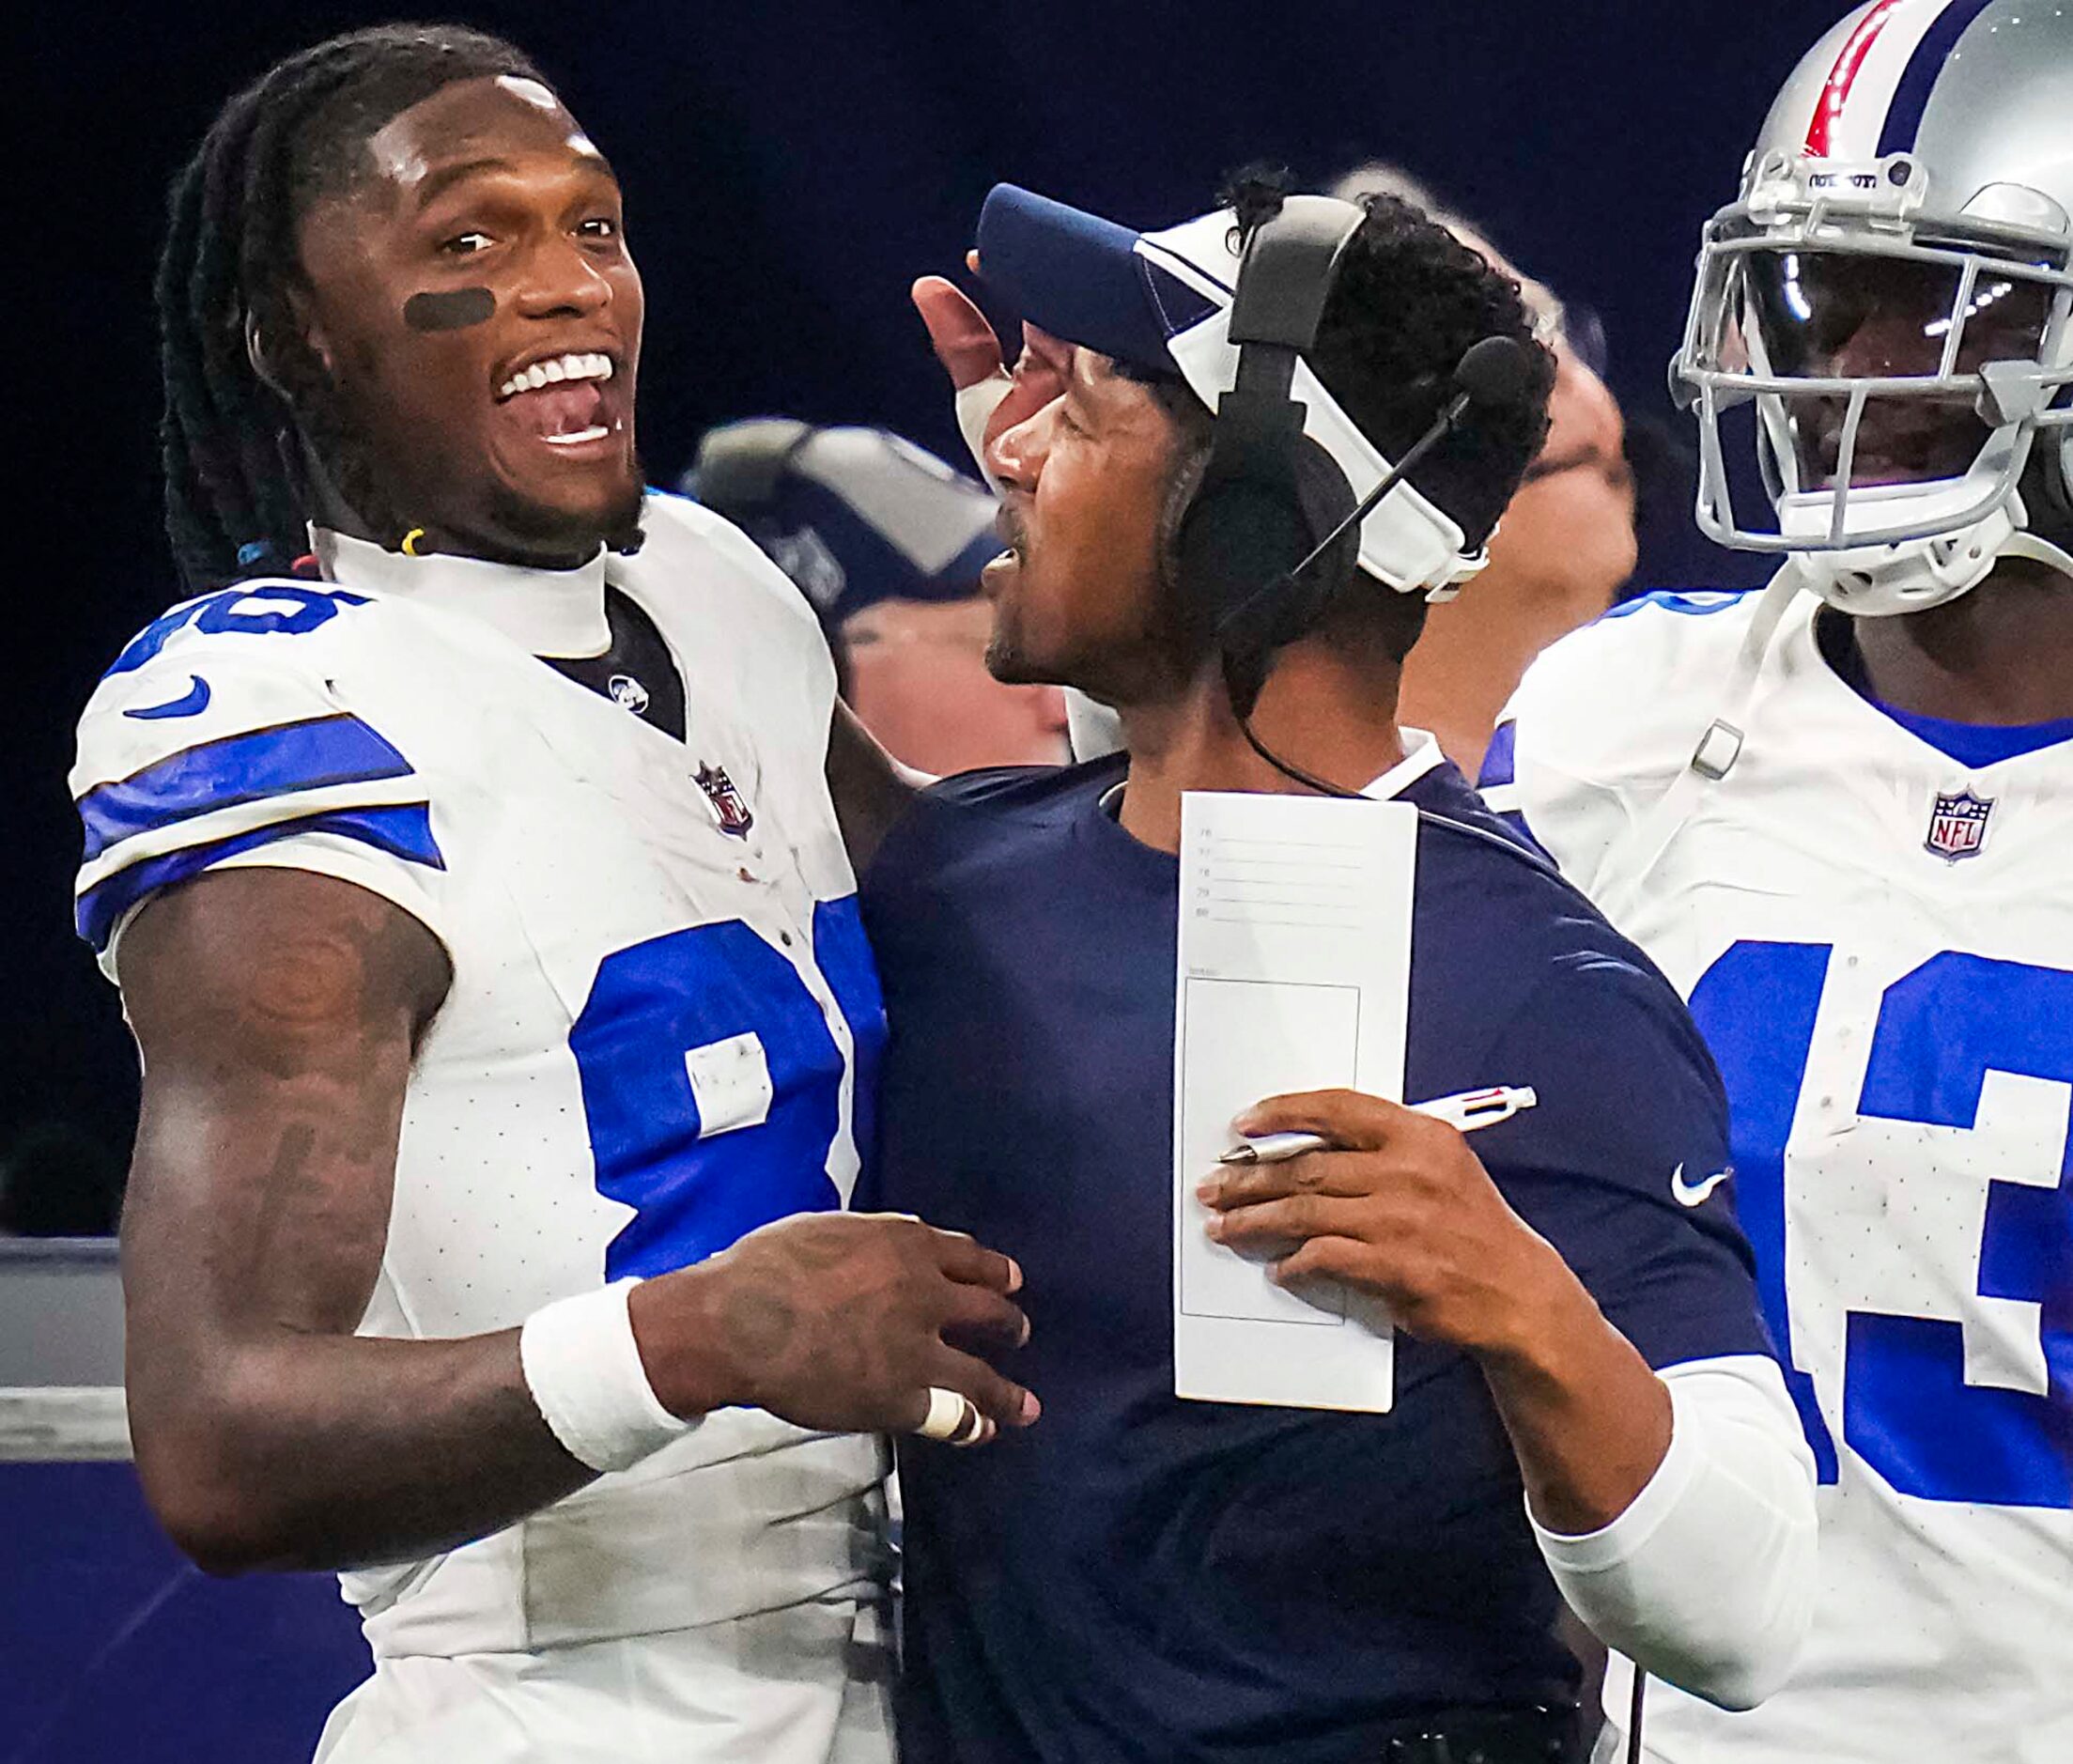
(837, 1322)
(972, 354)
(1406, 1211)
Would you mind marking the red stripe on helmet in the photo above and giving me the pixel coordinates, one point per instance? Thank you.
(1828, 108)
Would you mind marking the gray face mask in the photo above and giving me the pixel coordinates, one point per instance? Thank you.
(1889, 304)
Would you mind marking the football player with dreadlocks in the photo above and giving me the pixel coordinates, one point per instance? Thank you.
(478, 902)
(1852, 858)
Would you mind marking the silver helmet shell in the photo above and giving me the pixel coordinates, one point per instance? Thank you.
(1893, 291)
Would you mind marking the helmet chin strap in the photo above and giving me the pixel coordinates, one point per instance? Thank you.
(1885, 581)
(1888, 580)
(2036, 550)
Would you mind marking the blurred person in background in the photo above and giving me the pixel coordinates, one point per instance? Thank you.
(886, 542)
(1566, 544)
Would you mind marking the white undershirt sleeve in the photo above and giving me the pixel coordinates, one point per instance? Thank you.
(1707, 1580)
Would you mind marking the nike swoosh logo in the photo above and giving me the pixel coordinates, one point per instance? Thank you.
(191, 702)
(1695, 1194)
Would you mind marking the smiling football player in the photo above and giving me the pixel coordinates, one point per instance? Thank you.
(477, 900)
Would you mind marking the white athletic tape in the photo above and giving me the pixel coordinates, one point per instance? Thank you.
(584, 1371)
(952, 1419)
(976, 405)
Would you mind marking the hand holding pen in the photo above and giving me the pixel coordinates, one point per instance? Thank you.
(1464, 1113)
(1392, 1201)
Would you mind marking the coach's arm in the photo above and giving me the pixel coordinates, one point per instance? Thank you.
(1675, 1510)
(278, 1013)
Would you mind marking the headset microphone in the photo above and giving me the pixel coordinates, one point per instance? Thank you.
(1494, 372)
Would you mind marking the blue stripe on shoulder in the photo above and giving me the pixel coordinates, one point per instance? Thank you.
(1911, 97)
(1695, 603)
(1501, 758)
(239, 769)
(402, 830)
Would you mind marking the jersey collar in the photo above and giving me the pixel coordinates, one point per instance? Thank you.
(1421, 754)
(558, 612)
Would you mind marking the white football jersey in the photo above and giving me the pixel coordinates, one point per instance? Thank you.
(1877, 943)
(662, 1007)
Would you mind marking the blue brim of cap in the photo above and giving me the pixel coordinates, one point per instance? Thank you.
(1080, 278)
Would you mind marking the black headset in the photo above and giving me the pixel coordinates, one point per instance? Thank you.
(1247, 547)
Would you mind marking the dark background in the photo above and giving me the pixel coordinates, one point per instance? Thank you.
(789, 169)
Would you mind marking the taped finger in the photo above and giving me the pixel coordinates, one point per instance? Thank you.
(952, 1419)
(976, 405)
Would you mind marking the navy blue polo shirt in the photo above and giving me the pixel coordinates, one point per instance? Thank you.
(1136, 1578)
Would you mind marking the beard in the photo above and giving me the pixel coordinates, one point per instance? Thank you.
(347, 467)
(556, 533)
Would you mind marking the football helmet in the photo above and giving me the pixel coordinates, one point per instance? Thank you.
(1892, 292)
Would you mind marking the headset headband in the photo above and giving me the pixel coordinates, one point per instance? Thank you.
(1290, 267)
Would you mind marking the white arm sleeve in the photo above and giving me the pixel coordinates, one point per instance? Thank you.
(1707, 1580)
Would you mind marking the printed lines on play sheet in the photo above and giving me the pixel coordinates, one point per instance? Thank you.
(1315, 884)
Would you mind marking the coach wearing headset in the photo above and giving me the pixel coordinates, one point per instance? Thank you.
(1584, 1395)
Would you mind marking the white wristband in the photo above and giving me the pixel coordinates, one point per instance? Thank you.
(584, 1371)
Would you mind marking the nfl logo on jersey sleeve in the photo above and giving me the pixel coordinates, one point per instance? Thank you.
(1958, 826)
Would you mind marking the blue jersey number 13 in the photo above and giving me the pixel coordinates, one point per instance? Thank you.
(1906, 1409)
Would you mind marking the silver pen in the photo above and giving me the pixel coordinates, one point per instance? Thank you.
(1465, 1113)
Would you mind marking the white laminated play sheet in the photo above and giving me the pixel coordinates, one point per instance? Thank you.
(1293, 975)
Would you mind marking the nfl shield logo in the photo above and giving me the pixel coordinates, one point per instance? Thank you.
(1958, 826)
(729, 809)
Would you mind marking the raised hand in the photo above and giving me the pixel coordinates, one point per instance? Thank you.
(990, 399)
(840, 1322)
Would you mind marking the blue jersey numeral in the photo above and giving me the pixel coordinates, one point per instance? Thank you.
(653, 1004)
(271, 608)
(1755, 1007)
(1906, 1409)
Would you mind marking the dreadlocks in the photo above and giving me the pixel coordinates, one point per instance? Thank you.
(238, 490)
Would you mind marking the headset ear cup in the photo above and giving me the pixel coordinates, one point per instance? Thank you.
(1244, 534)
(1243, 530)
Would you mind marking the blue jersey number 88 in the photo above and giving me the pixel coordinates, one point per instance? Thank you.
(1906, 1409)
(694, 1194)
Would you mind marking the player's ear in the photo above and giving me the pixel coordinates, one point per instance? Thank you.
(310, 329)
(258, 349)
(1191, 459)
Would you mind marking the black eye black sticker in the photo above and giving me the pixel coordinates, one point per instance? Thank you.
(454, 310)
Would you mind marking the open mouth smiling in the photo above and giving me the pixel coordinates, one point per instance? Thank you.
(562, 398)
